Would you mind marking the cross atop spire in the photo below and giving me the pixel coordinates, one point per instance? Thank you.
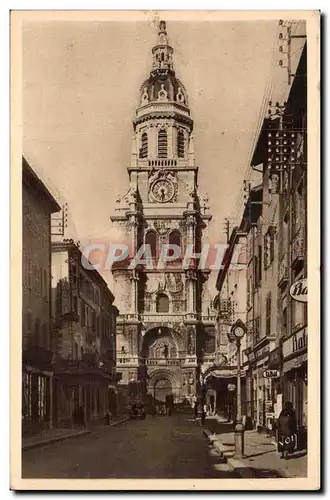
(162, 52)
(162, 34)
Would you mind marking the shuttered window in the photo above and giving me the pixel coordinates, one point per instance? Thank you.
(162, 144)
(181, 144)
(144, 145)
(268, 314)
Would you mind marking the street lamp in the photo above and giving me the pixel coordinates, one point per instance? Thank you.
(237, 332)
(231, 388)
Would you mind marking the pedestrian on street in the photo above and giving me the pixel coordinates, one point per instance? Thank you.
(196, 409)
(287, 428)
(107, 418)
(81, 417)
(203, 414)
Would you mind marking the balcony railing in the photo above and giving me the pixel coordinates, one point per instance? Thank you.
(283, 274)
(164, 361)
(298, 246)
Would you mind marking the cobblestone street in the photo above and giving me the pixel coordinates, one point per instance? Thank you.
(153, 448)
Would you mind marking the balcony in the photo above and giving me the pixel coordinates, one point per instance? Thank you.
(128, 361)
(163, 362)
(298, 247)
(283, 274)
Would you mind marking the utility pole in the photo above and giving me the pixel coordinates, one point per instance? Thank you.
(286, 36)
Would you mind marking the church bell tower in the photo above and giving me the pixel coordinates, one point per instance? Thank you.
(163, 323)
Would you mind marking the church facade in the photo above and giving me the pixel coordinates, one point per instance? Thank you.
(165, 329)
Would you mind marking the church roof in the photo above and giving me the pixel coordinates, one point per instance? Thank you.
(162, 83)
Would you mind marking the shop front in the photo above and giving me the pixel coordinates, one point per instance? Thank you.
(37, 391)
(295, 378)
(262, 404)
(80, 397)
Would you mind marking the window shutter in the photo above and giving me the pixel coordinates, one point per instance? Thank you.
(162, 144)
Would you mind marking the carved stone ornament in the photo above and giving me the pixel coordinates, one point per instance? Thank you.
(174, 282)
(162, 282)
(180, 96)
(162, 94)
(190, 220)
(152, 284)
(160, 227)
(191, 274)
(145, 97)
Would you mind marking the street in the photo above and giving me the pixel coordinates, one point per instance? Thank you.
(164, 447)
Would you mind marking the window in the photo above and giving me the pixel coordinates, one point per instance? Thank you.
(162, 144)
(93, 321)
(162, 304)
(44, 335)
(37, 332)
(76, 352)
(144, 145)
(248, 287)
(174, 239)
(268, 314)
(284, 321)
(36, 272)
(259, 264)
(45, 286)
(256, 330)
(181, 144)
(83, 317)
(75, 304)
(269, 242)
(151, 240)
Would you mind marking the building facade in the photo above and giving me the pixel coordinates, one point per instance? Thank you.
(165, 328)
(230, 303)
(37, 376)
(84, 340)
(276, 225)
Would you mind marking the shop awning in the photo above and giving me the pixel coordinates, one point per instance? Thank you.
(294, 363)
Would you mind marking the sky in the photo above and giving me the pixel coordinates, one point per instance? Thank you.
(81, 84)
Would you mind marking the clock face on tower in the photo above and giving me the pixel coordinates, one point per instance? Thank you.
(162, 190)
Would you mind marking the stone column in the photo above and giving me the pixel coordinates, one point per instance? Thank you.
(191, 274)
(152, 142)
(170, 142)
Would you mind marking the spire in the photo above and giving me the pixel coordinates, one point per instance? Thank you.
(162, 34)
(162, 52)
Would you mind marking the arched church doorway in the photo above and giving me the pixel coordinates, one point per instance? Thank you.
(162, 388)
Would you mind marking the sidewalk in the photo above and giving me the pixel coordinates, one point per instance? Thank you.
(49, 436)
(261, 456)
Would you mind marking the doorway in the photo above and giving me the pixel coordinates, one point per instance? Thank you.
(162, 388)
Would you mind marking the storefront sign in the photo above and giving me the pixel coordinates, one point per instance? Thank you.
(298, 290)
(271, 374)
(296, 343)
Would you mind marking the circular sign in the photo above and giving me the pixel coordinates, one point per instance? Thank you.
(298, 290)
(231, 387)
(271, 374)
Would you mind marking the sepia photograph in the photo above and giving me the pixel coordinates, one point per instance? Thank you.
(165, 243)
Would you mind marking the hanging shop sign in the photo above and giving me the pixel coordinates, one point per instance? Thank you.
(298, 290)
(271, 374)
